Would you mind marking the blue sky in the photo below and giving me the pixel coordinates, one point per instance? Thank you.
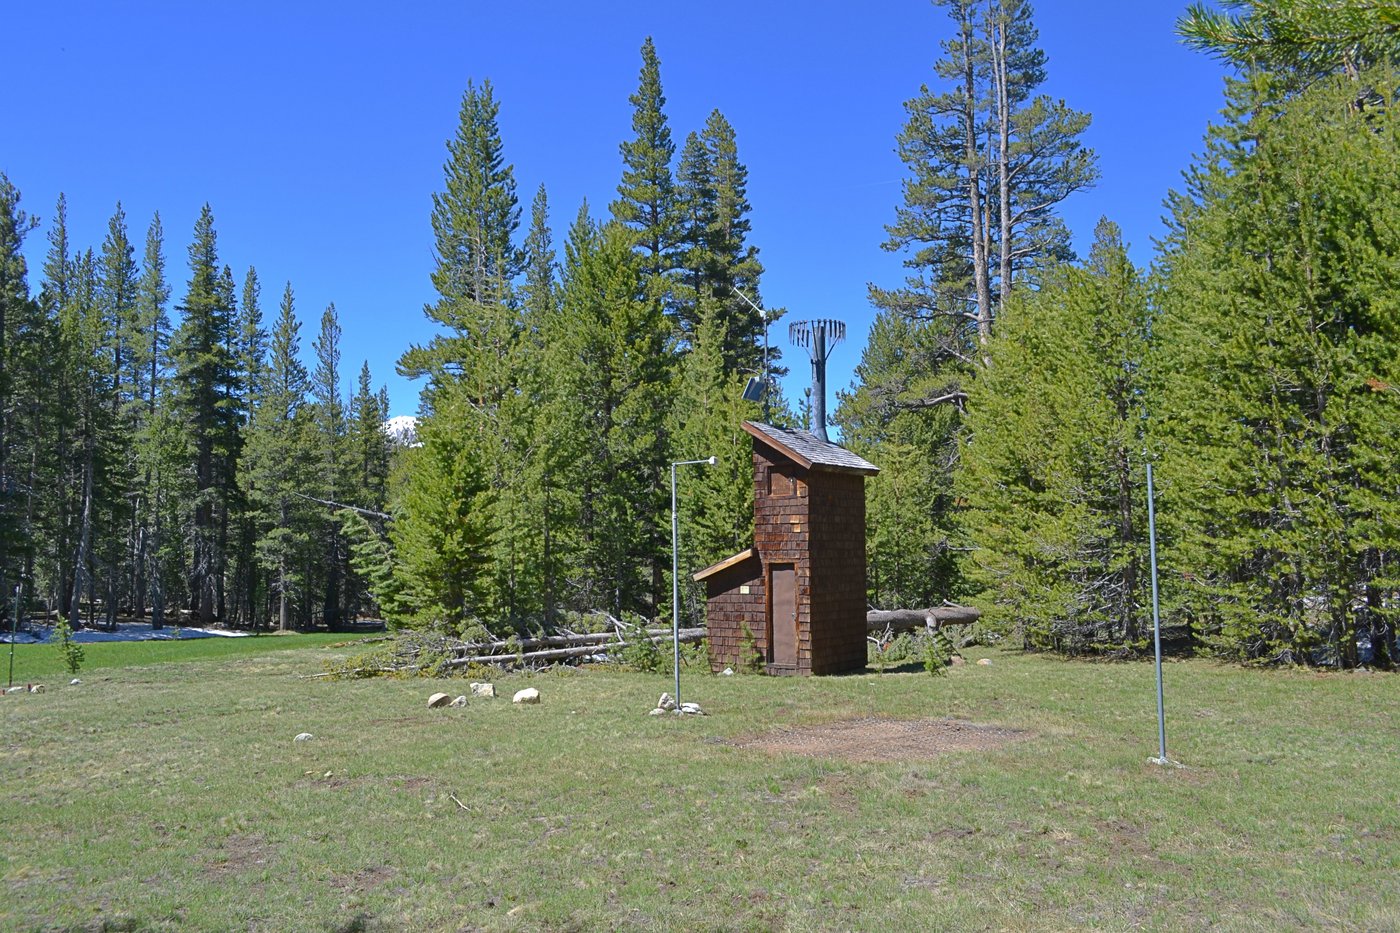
(316, 131)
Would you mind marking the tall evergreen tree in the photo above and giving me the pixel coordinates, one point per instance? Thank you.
(719, 265)
(1053, 470)
(990, 162)
(329, 429)
(18, 313)
(276, 467)
(118, 286)
(206, 381)
(1275, 405)
(612, 376)
(707, 420)
(646, 201)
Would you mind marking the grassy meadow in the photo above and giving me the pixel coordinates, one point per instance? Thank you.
(172, 796)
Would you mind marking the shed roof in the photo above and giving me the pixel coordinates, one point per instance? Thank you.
(810, 451)
(725, 564)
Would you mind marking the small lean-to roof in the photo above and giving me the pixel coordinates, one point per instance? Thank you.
(725, 564)
(807, 450)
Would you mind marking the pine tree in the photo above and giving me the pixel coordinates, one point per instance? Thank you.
(612, 372)
(158, 454)
(206, 382)
(276, 465)
(707, 420)
(912, 533)
(990, 162)
(1053, 468)
(367, 484)
(1274, 408)
(118, 282)
(477, 376)
(17, 314)
(1304, 40)
(332, 469)
(718, 263)
(646, 196)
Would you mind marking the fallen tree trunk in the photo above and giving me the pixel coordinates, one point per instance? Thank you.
(551, 641)
(578, 651)
(898, 620)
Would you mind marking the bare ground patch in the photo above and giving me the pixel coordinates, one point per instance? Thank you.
(240, 852)
(872, 739)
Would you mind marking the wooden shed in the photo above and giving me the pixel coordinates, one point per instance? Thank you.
(797, 595)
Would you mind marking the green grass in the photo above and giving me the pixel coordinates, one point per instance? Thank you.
(41, 663)
(172, 796)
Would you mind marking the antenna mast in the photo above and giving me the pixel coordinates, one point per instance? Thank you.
(818, 336)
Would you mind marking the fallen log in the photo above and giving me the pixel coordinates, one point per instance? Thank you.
(899, 620)
(687, 635)
(556, 641)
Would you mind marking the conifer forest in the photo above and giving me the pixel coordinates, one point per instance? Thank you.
(174, 448)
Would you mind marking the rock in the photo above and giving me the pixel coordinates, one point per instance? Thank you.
(37, 688)
(439, 699)
(17, 690)
(528, 695)
(956, 660)
(727, 672)
(303, 737)
(459, 703)
(985, 662)
(657, 712)
(484, 690)
(692, 709)
(666, 702)
(74, 682)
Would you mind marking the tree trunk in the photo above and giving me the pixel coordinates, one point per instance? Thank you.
(975, 207)
(80, 560)
(901, 619)
(1001, 84)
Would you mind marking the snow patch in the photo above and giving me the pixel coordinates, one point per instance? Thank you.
(402, 430)
(125, 631)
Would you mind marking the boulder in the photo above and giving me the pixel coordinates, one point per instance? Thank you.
(692, 709)
(528, 695)
(657, 712)
(37, 688)
(486, 691)
(303, 737)
(74, 682)
(956, 660)
(459, 702)
(985, 662)
(439, 699)
(666, 702)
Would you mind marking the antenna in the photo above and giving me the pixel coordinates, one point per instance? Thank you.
(818, 337)
(753, 393)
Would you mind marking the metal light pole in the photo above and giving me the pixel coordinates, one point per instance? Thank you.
(1161, 758)
(676, 576)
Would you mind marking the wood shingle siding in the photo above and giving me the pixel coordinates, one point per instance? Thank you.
(809, 515)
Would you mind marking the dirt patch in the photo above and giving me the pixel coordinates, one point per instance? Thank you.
(366, 879)
(239, 853)
(875, 739)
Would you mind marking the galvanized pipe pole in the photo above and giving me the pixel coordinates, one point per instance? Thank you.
(676, 578)
(1161, 758)
(14, 633)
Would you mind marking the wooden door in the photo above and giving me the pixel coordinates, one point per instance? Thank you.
(782, 616)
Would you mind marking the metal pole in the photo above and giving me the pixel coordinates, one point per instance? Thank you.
(676, 577)
(1161, 758)
(675, 590)
(14, 633)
